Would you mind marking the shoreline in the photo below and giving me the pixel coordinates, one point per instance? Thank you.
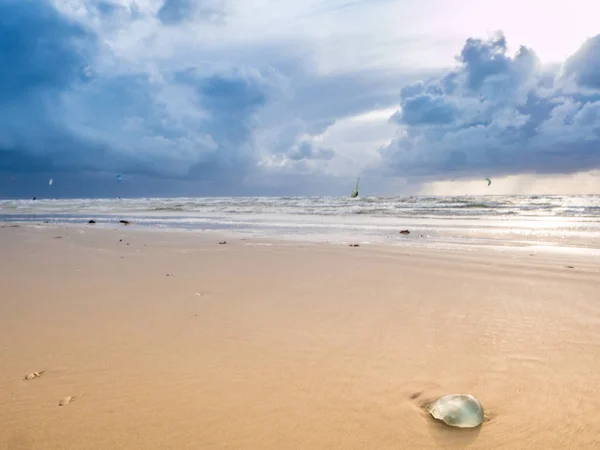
(561, 224)
(588, 248)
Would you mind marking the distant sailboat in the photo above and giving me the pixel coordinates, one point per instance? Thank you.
(355, 193)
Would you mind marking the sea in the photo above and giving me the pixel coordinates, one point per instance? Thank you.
(539, 222)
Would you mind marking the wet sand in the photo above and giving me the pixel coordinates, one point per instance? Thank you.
(288, 346)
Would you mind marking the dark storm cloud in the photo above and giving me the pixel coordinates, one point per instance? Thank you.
(57, 120)
(30, 61)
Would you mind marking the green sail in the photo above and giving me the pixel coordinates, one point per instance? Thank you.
(355, 193)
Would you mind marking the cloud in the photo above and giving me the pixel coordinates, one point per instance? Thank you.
(181, 123)
(306, 150)
(584, 66)
(30, 61)
(174, 12)
(106, 8)
(35, 72)
(497, 114)
(425, 109)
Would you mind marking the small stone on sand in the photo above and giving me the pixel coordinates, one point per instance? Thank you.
(66, 401)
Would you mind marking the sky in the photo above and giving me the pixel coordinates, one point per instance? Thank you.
(281, 97)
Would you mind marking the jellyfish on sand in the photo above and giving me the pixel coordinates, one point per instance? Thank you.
(457, 410)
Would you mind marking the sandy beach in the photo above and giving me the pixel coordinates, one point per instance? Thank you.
(168, 340)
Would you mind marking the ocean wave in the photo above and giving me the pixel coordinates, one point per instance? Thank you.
(376, 207)
(474, 205)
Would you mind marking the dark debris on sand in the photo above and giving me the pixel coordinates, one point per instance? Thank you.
(124, 222)
(354, 245)
(223, 242)
(404, 232)
(91, 221)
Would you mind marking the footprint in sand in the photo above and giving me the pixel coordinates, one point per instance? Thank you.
(66, 401)
(32, 375)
